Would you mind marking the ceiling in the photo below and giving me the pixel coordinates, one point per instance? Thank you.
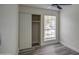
(44, 6)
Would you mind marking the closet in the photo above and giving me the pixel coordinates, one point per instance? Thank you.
(29, 30)
(36, 29)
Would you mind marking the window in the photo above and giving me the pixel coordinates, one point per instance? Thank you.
(49, 28)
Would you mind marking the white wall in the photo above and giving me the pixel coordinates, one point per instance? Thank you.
(8, 29)
(69, 27)
(41, 12)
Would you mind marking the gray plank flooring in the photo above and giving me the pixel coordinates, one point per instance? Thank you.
(53, 49)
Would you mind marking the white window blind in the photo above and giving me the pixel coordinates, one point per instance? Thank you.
(49, 28)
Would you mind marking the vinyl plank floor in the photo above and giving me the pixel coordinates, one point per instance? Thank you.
(53, 49)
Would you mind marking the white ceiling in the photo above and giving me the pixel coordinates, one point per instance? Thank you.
(44, 6)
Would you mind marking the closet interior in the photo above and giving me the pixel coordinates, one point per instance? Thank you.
(36, 29)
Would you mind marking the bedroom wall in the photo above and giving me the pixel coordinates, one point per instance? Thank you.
(42, 12)
(8, 29)
(69, 27)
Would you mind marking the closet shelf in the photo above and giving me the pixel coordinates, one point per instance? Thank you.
(35, 21)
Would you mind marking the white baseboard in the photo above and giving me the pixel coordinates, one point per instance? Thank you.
(75, 49)
(16, 53)
(6, 54)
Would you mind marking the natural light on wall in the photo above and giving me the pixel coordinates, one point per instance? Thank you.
(49, 28)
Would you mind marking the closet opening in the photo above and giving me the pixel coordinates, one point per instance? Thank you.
(36, 21)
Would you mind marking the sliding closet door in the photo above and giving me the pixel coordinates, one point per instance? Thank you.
(25, 31)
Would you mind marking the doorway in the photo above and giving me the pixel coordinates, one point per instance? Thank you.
(36, 29)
